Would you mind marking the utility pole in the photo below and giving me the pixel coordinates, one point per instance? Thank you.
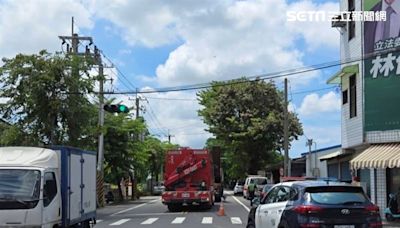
(286, 133)
(137, 104)
(100, 159)
(75, 40)
(101, 111)
(309, 144)
(169, 137)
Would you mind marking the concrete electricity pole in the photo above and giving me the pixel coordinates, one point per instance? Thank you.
(169, 137)
(137, 104)
(286, 169)
(75, 40)
(309, 144)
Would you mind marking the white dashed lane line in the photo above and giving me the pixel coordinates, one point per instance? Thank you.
(119, 222)
(149, 221)
(239, 202)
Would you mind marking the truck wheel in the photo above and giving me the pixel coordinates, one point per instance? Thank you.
(217, 198)
(174, 207)
(85, 224)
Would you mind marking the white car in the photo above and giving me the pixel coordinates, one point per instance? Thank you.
(238, 189)
(158, 189)
(314, 204)
(258, 180)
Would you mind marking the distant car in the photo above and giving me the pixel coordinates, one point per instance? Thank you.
(109, 197)
(314, 204)
(158, 189)
(238, 189)
(258, 180)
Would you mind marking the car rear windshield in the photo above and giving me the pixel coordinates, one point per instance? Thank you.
(260, 181)
(336, 195)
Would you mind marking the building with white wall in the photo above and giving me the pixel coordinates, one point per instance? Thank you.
(316, 161)
(370, 85)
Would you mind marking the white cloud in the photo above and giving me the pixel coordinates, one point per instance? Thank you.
(313, 104)
(29, 26)
(175, 112)
(315, 33)
(220, 39)
(139, 21)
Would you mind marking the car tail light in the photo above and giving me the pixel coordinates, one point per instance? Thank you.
(307, 209)
(372, 209)
(375, 225)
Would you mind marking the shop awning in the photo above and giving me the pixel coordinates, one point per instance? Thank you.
(331, 155)
(347, 70)
(378, 156)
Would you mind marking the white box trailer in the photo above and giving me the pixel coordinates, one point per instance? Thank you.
(47, 187)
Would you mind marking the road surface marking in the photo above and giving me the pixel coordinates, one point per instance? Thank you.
(119, 222)
(236, 220)
(245, 207)
(207, 220)
(154, 214)
(149, 221)
(178, 220)
(99, 221)
(132, 208)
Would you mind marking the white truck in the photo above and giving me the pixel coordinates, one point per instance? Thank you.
(47, 187)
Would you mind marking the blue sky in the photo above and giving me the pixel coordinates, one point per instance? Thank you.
(186, 42)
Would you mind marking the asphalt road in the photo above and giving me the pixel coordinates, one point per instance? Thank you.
(150, 212)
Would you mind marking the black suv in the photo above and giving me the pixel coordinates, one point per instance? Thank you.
(316, 204)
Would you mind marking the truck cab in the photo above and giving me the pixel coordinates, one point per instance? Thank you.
(37, 187)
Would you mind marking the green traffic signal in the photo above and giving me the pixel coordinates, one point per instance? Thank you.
(123, 108)
(116, 108)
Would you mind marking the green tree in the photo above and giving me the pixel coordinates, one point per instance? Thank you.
(247, 117)
(45, 99)
(157, 150)
(123, 151)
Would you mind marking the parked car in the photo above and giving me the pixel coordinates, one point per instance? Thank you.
(258, 180)
(109, 197)
(314, 204)
(158, 189)
(238, 189)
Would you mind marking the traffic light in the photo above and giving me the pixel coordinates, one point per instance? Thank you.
(116, 108)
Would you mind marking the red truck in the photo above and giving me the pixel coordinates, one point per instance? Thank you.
(192, 177)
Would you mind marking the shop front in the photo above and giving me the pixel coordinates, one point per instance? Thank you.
(381, 164)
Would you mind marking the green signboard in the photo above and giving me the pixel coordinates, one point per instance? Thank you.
(381, 67)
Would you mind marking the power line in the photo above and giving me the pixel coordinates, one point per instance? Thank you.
(270, 76)
(171, 99)
(199, 133)
(256, 78)
(119, 71)
(155, 118)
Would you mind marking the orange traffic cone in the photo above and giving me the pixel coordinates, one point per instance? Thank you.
(221, 211)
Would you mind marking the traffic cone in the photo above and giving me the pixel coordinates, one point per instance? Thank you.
(221, 211)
